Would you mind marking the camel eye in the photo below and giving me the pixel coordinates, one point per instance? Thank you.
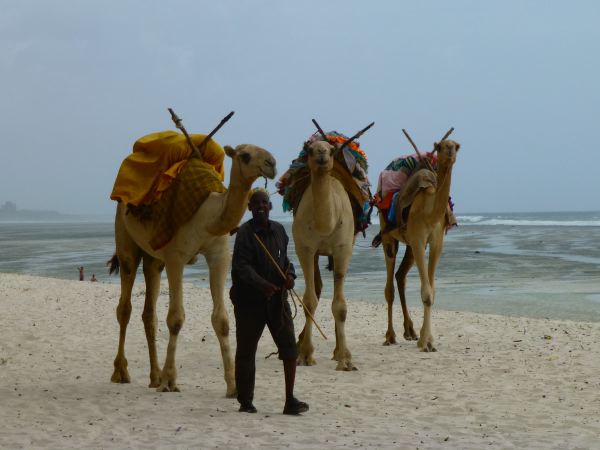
(245, 157)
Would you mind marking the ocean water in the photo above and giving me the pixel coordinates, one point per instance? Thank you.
(521, 264)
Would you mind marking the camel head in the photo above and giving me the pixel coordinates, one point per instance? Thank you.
(446, 151)
(320, 156)
(251, 162)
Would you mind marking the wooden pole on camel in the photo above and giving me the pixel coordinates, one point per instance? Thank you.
(196, 149)
(448, 133)
(320, 130)
(425, 160)
(357, 135)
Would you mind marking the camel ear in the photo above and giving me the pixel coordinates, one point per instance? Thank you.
(229, 151)
(306, 147)
(436, 146)
(239, 150)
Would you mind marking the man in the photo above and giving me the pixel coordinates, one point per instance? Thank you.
(259, 296)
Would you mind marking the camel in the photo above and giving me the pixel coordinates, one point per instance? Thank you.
(206, 233)
(324, 225)
(426, 225)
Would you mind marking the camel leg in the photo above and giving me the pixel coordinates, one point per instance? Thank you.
(305, 346)
(218, 264)
(175, 319)
(425, 342)
(152, 270)
(129, 259)
(339, 309)
(435, 252)
(390, 248)
(405, 265)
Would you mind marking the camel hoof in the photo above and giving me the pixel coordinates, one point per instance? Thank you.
(428, 348)
(120, 376)
(409, 333)
(168, 388)
(154, 380)
(231, 394)
(306, 361)
(346, 366)
(390, 341)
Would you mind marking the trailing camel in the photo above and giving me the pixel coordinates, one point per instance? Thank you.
(426, 225)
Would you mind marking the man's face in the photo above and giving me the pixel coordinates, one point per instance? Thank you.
(260, 205)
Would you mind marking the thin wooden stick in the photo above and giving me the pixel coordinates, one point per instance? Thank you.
(411, 142)
(424, 160)
(357, 135)
(196, 149)
(217, 128)
(268, 253)
(448, 133)
(179, 125)
(321, 132)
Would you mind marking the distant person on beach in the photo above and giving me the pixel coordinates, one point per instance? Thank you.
(81, 273)
(259, 297)
(93, 278)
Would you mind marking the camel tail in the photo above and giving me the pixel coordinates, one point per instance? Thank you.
(329, 263)
(113, 264)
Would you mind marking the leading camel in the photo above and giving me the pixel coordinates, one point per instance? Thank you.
(324, 225)
(207, 233)
(426, 225)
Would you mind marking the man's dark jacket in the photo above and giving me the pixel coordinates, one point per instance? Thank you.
(251, 268)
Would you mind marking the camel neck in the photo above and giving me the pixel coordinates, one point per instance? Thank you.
(235, 201)
(444, 177)
(322, 207)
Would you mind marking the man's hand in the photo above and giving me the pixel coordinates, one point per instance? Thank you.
(289, 282)
(270, 289)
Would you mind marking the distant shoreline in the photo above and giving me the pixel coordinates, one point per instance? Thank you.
(10, 213)
(26, 216)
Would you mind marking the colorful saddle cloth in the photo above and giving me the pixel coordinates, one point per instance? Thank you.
(162, 184)
(393, 178)
(350, 168)
(399, 183)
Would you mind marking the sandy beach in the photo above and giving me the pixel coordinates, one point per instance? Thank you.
(495, 382)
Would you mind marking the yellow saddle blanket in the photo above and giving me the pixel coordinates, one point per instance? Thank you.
(164, 185)
(156, 161)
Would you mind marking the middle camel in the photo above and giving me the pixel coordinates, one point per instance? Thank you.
(325, 224)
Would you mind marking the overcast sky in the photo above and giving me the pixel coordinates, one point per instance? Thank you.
(82, 80)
